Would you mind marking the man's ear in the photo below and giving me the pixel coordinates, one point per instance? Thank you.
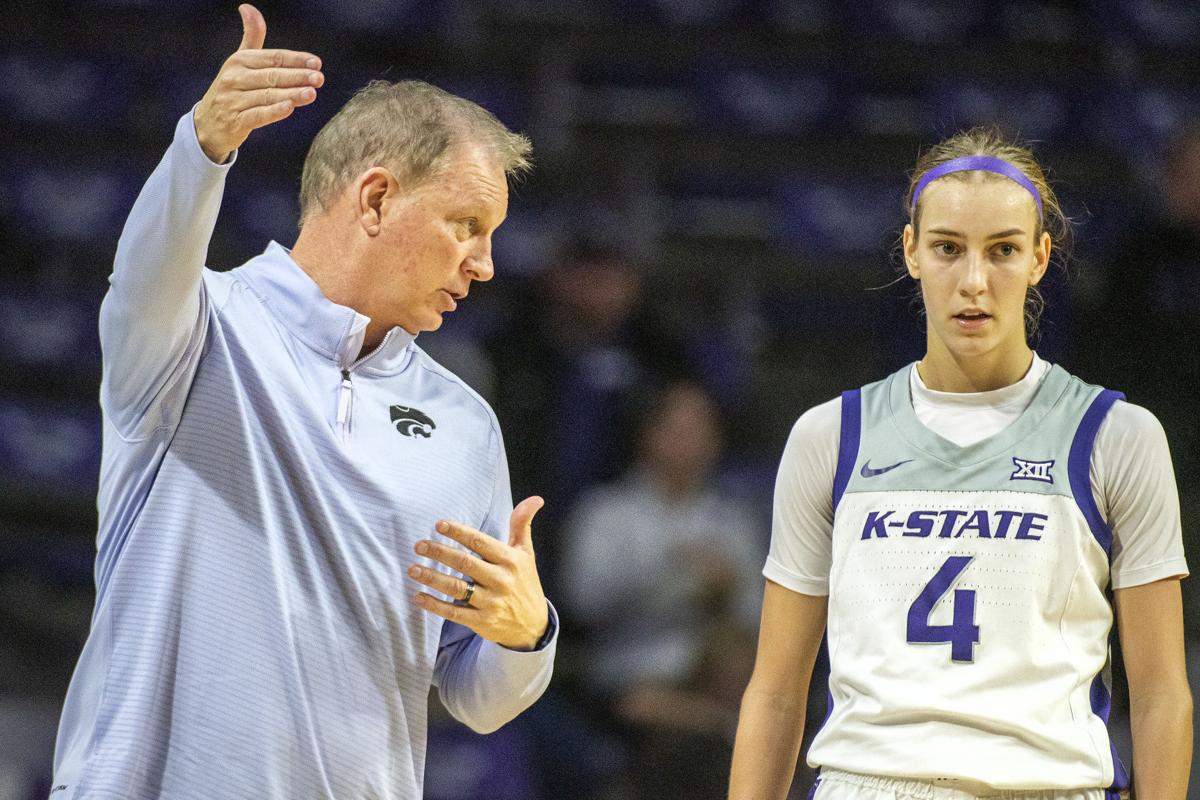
(374, 186)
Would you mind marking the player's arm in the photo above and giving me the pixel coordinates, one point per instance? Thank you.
(795, 606)
(1133, 476)
(151, 320)
(771, 724)
(1150, 621)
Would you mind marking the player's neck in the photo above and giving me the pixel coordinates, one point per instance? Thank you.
(944, 371)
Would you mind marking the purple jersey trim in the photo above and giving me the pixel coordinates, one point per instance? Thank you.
(848, 444)
(1101, 706)
(1079, 465)
(1079, 475)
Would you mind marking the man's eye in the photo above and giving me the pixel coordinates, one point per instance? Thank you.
(471, 224)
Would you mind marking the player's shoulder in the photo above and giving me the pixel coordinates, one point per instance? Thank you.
(1129, 425)
(826, 418)
(820, 427)
(819, 420)
(817, 429)
(1127, 429)
(1123, 418)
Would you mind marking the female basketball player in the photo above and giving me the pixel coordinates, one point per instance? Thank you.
(956, 526)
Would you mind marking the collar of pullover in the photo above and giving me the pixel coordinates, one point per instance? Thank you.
(334, 331)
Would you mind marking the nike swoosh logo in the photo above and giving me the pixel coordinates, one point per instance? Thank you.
(867, 472)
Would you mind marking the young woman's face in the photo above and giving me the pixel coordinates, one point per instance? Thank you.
(976, 256)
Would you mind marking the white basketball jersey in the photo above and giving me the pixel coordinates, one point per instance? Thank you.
(968, 619)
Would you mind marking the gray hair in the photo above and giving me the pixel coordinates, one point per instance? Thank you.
(408, 127)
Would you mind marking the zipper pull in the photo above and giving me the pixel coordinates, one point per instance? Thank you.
(345, 395)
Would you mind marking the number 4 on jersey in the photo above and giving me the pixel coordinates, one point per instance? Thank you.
(962, 633)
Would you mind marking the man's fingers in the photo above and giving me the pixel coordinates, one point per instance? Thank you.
(478, 541)
(291, 59)
(439, 581)
(458, 560)
(265, 115)
(254, 27)
(463, 615)
(520, 524)
(224, 116)
(267, 97)
(246, 79)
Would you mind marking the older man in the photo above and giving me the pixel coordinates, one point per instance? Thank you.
(278, 455)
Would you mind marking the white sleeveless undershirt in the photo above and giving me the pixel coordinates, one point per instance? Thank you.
(968, 417)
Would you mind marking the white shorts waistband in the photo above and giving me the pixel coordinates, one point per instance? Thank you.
(874, 787)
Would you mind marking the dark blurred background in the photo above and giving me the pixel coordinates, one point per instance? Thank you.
(705, 249)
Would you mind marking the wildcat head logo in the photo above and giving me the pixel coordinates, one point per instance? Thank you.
(1032, 471)
(411, 421)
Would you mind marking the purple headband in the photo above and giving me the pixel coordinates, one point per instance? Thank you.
(971, 163)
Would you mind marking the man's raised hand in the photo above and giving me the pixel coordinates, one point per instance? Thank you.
(255, 87)
(504, 601)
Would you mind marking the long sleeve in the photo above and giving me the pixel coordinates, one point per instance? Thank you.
(152, 321)
(483, 684)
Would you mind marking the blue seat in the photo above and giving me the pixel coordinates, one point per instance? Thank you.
(944, 22)
(824, 216)
(54, 448)
(529, 238)
(1171, 23)
(65, 94)
(686, 13)
(763, 100)
(404, 19)
(1033, 112)
(48, 328)
(75, 203)
(260, 211)
(1138, 120)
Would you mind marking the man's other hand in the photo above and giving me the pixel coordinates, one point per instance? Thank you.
(255, 87)
(506, 604)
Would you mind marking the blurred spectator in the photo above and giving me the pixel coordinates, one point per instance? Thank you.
(582, 347)
(662, 574)
(1147, 311)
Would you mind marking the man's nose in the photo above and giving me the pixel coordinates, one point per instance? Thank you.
(478, 264)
